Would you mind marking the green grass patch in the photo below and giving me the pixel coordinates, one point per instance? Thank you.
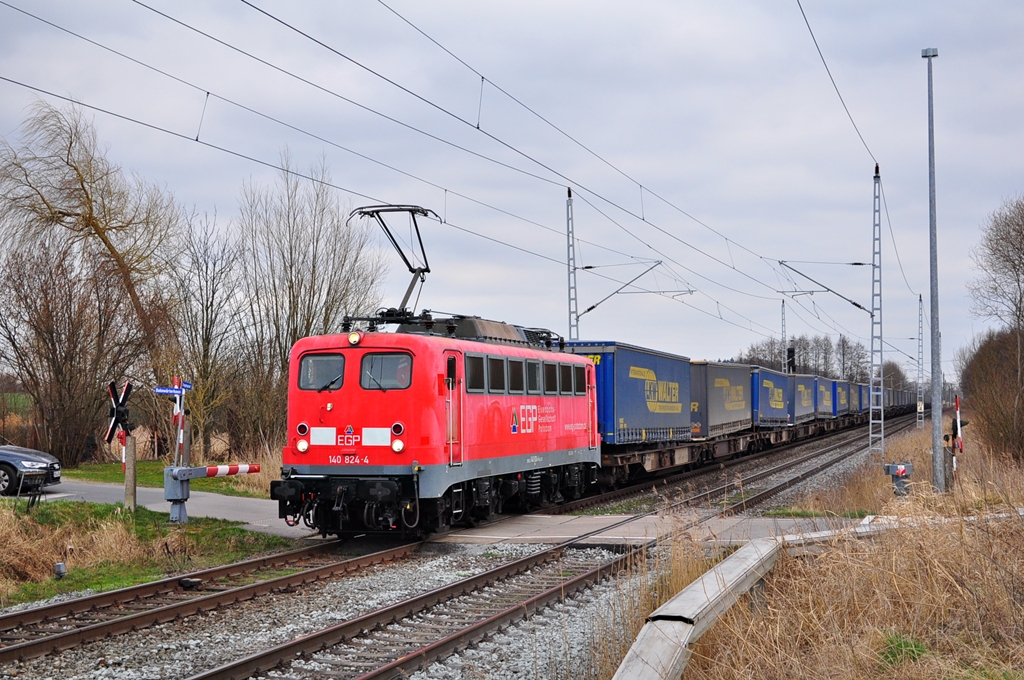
(901, 648)
(166, 548)
(150, 473)
(17, 402)
(800, 513)
(630, 506)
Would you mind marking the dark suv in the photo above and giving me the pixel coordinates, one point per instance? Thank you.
(26, 469)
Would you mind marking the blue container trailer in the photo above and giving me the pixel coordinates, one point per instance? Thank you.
(823, 389)
(801, 400)
(720, 396)
(840, 398)
(769, 394)
(643, 395)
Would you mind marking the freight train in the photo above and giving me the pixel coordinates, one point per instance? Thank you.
(451, 420)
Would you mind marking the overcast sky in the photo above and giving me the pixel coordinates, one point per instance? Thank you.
(723, 109)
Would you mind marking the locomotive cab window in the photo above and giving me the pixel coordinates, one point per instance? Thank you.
(580, 374)
(566, 378)
(550, 378)
(495, 374)
(321, 372)
(474, 374)
(391, 371)
(515, 376)
(533, 377)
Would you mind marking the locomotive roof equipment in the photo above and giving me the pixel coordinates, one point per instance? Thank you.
(416, 251)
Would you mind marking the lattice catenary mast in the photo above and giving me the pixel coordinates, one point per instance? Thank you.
(876, 436)
(574, 317)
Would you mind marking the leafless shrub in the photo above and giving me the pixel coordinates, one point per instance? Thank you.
(302, 270)
(64, 330)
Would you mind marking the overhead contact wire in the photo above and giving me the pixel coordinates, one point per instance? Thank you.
(302, 131)
(498, 140)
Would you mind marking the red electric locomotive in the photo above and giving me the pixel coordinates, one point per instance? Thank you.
(443, 421)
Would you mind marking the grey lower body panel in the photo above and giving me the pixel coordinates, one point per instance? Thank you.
(434, 480)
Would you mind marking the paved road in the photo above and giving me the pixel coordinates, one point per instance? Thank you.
(257, 513)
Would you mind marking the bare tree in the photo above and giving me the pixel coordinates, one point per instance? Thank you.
(63, 330)
(59, 186)
(206, 284)
(998, 292)
(894, 377)
(303, 268)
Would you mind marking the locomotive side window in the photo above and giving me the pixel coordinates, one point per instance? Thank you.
(495, 374)
(550, 378)
(580, 373)
(515, 376)
(566, 378)
(321, 372)
(533, 377)
(392, 371)
(474, 374)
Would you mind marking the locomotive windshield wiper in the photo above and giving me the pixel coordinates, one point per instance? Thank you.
(377, 382)
(332, 381)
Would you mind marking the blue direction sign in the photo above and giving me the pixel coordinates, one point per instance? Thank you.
(177, 391)
(185, 385)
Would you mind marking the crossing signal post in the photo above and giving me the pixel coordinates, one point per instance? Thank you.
(122, 429)
(177, 476)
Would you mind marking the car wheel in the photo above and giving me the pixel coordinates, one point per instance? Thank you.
(8, 480)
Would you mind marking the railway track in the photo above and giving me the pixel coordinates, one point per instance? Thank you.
(397, 640)
(638, 489)
(35, 632)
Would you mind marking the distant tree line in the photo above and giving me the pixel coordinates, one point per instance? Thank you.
(105, 276)
(818, 355)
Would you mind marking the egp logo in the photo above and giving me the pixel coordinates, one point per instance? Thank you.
(348, 439)
(527, 417)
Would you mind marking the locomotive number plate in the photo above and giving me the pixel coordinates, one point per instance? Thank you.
(349, 460)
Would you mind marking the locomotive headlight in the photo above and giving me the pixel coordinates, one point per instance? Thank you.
(302, 445)
(397, 446)
(354, 337)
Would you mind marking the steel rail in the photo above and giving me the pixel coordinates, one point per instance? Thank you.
(456, 642)
(640, 487)
(123, 624)
(263, 661)
(83, 604)
(761, 496)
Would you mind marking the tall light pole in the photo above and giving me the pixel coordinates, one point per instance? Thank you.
(938, 458)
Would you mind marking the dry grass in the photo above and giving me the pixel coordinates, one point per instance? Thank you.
(933, 602)
(270, 469)
(986, 481)
(30, 550)
(940, 600)
(640, 589)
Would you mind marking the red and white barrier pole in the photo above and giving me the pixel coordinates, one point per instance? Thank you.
(225, 470)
